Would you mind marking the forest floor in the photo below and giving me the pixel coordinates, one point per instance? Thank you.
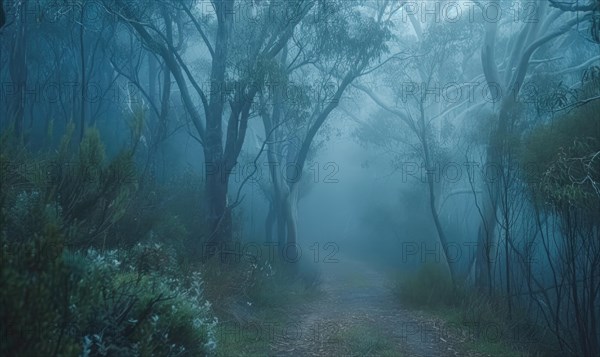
(359, 315)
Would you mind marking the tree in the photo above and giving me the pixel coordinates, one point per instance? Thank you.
(18, 70)
(525, 43)
(414, 100)
(2, 14)
(346, 42)
(240, 50)
(565, 194)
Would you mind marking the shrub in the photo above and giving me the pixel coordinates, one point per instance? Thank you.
(431, 286)
(143, 313)
(99, 304)
(62, 293)
(169, 213)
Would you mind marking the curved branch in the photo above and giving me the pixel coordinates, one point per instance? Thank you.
(200, 31)
(570, 6)
(524, 63)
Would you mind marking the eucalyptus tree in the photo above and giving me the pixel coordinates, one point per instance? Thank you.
(505, 74)
(240, 40)
(422, 94)
(338, 42)
(157, 117)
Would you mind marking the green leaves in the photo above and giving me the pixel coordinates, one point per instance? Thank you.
(346, 33)
(565, 155)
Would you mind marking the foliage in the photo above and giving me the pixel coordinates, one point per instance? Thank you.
(99, 304)
(343, 31)
(60, 297)
(167, 213)
(484, 319)
(565, 188)
(148, 313)
(566, 163)
(430, 286)
(85, 194)
(250, 291)
(256, 282)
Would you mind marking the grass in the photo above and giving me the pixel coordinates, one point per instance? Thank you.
(251, 300)
(480, 323)
(250, 338)
(364, 341)
(429, 288)
(487, 335)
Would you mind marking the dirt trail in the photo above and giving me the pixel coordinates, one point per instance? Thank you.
(355, 314)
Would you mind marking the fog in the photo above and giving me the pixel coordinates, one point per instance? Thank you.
(300, 177)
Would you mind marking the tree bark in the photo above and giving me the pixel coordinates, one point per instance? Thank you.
(82, 76)
(18, 74)
(2, 14)
(216, 187)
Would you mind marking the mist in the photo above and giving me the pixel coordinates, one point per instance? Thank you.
(300, 177)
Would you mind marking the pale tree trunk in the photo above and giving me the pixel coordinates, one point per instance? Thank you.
(292, 176)
(269, 223)
(298, 149)
(278, 210)
(281, 226)
(528, 40)
(485, 232)
(292, 216)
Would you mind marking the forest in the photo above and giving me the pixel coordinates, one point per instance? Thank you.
(300, 178)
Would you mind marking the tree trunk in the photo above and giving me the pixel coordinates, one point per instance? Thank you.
(2, 15)
(485, 239)
(18, 74)
(432, 198)
(82, 76)
(281, 225)
(216, 165)
(216, 187)
(270, 223)
(291, 216)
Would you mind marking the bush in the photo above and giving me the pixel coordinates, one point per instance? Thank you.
(143, 313)
(99, 304)
(498, 332)
(62, 292)
(431, 286)
(169, 213)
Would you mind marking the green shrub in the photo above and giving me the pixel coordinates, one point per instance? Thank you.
(98, 304)
(64, 294)
(86, 192)
(509, 334)
(144, 313)
(431, 286)
(562, 156)
(169, 213)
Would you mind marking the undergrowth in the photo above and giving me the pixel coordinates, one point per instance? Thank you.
(481, 322)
